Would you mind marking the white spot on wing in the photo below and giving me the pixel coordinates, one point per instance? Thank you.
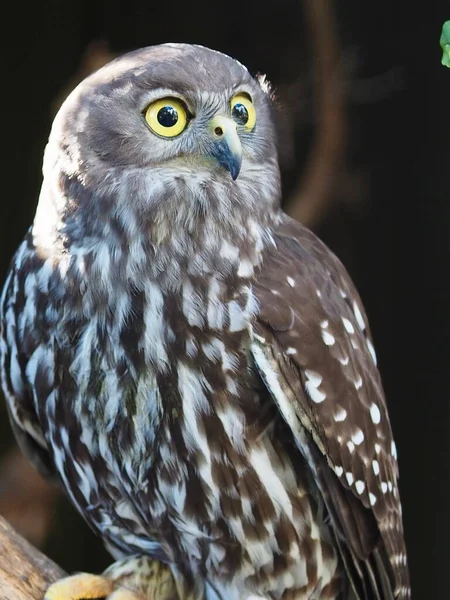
(349, 477)
(359, 317)
(341, 415)
(375, 413)
(372, 499)
(328, 338)
(339, 471)
(313, 377)
(358, 382)
(394, 449)
(291, 351)
(372, 351)
(358, 437)
(376, 467)
(316, 395)
(348, 326)
(360, 486)
(290, 281)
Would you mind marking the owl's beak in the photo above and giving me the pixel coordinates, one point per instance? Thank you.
(226, 148)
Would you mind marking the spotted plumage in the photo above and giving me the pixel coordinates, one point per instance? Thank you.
(193, 366)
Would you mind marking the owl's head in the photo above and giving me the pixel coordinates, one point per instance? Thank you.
(163, 128)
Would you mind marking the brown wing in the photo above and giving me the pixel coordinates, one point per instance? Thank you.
(313, 349)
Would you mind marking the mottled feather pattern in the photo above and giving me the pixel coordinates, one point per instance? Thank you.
(195, 474)
(193, 367)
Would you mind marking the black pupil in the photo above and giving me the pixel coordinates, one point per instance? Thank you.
(240, 113)
(167, 116)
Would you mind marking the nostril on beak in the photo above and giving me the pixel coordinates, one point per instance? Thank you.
(218, 131)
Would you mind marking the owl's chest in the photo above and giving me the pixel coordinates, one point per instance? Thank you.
(165, 396)
(158, 362)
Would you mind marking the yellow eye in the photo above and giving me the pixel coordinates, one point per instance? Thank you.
(243, 111)
(167, 117)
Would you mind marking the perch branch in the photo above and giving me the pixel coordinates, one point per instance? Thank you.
(25, 573)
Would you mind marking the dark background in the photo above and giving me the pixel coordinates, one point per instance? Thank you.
(387, 213)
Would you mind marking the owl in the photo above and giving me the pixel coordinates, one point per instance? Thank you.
(191, 365)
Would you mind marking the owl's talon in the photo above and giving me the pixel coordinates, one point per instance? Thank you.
(85, 586)
(82, 586)
(133, 578)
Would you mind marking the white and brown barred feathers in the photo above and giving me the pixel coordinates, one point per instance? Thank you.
(205, 390)
(312, 348)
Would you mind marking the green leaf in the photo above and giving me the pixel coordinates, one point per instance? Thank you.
(445, 44)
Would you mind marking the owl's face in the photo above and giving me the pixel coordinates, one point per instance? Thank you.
(160, 139)
(167, 109)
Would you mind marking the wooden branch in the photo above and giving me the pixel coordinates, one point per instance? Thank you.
(25, 573)
(313, 194)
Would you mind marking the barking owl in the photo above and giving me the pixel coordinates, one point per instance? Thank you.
(193, 366)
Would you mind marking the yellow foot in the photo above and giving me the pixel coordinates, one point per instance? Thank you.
(135, 578)
(82, 586)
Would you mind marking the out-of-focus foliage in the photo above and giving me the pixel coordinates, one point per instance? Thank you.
(445, 44)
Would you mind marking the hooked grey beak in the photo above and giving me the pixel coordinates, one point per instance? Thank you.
(227, 148)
